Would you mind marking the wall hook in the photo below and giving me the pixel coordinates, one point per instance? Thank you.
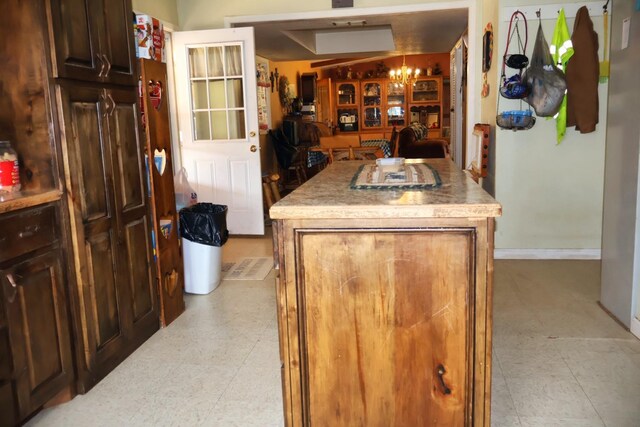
(538, 13)
(605, 6)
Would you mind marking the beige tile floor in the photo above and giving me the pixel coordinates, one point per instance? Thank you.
(559, 360)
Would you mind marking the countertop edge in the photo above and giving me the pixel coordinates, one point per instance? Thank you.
(363, 211)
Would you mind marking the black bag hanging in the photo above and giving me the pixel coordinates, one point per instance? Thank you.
(514, 87)
(547, 82)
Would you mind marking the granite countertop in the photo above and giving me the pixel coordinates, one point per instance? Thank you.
(328, 195)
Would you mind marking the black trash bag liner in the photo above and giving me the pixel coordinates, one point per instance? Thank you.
(547, 82)
(204, 223)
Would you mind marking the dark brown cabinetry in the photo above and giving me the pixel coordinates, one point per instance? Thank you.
(92, 40)
(109, 209)
(36, 305)
(8, 405)
(38, 362)
(168, 260)
(77, 289)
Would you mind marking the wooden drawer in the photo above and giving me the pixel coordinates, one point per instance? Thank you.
(26, 231)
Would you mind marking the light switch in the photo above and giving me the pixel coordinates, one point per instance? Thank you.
(626, 23)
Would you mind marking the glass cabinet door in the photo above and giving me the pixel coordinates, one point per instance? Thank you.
(347, 94)
(395, 105)
(371, 105)
(426, 90)
(348, 119)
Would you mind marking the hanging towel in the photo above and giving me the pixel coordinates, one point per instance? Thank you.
(583, 75)
(561, 49)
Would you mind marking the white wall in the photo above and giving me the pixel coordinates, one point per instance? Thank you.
(620, 251)
(164, 10)
(551, 194)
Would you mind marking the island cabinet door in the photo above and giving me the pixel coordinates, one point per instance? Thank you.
(384, 329)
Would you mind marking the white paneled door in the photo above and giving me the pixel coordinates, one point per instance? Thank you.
(215, 75)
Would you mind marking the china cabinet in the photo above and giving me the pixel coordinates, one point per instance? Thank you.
(347, 105)
(426, 104)
(371, 102)
(375, 106)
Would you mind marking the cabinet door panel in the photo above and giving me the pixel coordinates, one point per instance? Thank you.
(118, 43)
(102, 283)
(132, 207)
(139, 279)
(39, 329)
(76, 46)
(376, 336)
(123, 126)
(89, 149)
(91, 186)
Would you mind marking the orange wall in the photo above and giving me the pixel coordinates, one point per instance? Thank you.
(292, 70)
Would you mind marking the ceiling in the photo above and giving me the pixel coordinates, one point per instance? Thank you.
(413, 33)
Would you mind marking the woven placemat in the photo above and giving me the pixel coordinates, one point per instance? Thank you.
(406, 177)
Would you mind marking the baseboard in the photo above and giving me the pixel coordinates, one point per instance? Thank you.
(547, 254)
(635, 326)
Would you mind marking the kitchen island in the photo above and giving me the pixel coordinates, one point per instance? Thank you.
(384, 301)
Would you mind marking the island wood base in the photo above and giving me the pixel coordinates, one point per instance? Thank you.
(385, 322)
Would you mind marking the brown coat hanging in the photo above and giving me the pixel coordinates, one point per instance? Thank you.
(582, 75)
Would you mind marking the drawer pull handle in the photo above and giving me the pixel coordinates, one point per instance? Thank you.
(11, 298)
(99, 59)
(29, 231)
(108, 64)
(441, 372)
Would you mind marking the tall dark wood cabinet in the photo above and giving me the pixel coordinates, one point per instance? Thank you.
(77, 287)
(104, 176)
(110, 223)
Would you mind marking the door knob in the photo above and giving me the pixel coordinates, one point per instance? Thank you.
(253, 148)
(252, 134)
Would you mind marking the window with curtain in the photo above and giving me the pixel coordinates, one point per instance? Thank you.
(217, 94)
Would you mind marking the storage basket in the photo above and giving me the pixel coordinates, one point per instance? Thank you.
(516, 120)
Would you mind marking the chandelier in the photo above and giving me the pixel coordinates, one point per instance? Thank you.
(404, 75)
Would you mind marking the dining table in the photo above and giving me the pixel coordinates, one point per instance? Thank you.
(318, 157)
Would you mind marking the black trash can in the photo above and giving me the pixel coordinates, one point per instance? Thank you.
(203, 228)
